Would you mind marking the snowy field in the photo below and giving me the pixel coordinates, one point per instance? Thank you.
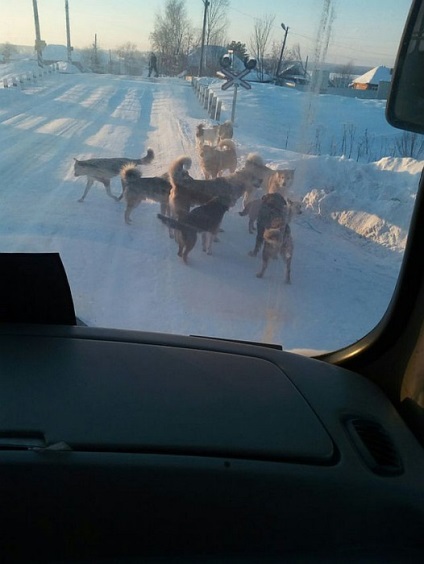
(349, 240)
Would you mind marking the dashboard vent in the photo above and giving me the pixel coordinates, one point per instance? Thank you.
(375, 446)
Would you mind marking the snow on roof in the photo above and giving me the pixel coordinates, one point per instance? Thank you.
(58, 53)
(374, 76)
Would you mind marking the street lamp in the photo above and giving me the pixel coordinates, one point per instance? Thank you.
(202, 50)
(286, 30)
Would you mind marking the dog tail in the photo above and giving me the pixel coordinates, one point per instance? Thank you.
(170, 221)
(147, 159)
(130, 172)
(227, 145)
(179, 167)
(255, 159)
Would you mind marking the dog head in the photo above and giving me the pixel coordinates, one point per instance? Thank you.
(275, 201)
(78, 169)
(225, 130)
(295, 207)
(281, 180)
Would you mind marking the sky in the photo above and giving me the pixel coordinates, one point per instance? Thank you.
(348, 241)
(366, 32)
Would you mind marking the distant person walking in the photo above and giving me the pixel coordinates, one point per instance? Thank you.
(153, 65)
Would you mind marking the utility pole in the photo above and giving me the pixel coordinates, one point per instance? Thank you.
(202, 50)
(286, 29)
(39, 43)
(95, 59)
(68, 33)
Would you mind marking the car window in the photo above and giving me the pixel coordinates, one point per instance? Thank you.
(257, 133)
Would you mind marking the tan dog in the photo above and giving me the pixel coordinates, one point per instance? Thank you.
(157, 188)
(280, 181)
(187, 192)
(225, 130)
(274, 180)
(103, 170)
(207, 135)
(212, 135)
(214, 160)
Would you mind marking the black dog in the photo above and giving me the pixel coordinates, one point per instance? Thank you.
(204, 219)
(273, 207)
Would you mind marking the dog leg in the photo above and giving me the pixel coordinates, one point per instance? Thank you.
(264, 267)
(259, 241)
(128, 210)
(190, 238)
(106, 184)
(123, 190)
(257, 248)
(207, 239)
(288, 270)
(90, 182)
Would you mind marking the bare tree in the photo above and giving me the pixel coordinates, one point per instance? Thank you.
(7, 50)
(259, 41)
(217, 22)
(343, 75)
(172, 36)
(130, 57)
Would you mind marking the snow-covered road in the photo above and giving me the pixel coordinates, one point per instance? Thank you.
(130, 276)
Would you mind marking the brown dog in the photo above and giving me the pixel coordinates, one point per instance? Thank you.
(103, 170)
(252, 210)
(187, 192)
(214, 160)
(273, 208)
(137, 188)
(278, 240)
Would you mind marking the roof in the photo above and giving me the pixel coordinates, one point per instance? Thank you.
(374, 76)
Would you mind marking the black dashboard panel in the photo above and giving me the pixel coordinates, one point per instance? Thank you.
(120, 446)
(96, 395)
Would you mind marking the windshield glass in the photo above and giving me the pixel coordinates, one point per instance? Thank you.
(288, 221)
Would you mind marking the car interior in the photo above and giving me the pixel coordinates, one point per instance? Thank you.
(126, 446)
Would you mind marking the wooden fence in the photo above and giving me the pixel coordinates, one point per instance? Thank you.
(20, 80)
(208, 99)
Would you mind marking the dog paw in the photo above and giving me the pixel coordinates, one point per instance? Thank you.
(259, 275)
